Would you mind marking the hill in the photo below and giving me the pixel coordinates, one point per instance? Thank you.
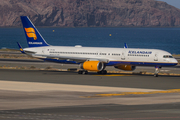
(90, 13)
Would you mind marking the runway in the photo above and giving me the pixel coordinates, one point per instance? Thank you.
(65, 95)
(67, 77)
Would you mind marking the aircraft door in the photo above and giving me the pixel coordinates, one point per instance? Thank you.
(123, 55)
(44, 51)
(156, 57)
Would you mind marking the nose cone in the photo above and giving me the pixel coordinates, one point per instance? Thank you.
(174, 61)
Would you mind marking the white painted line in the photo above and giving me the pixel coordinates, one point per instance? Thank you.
(36, 86)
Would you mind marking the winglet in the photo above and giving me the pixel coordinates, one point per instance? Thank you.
(20, 48)
(125, 45)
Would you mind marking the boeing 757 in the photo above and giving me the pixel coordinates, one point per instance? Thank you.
(93, 58)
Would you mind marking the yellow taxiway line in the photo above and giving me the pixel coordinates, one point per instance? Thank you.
(134, 93)
(113, 75)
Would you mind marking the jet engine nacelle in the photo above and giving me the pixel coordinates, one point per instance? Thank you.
(92, 66)
(126, 67)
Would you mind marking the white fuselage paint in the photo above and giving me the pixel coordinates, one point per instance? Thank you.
(106, 55)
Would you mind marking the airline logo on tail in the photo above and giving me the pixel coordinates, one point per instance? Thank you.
(31, 33)
(21, 49)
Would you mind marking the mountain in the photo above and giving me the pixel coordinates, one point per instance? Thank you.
(90, 13)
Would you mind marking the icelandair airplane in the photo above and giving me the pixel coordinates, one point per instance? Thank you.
(93, 58)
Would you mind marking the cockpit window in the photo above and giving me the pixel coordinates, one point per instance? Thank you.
(167, 56)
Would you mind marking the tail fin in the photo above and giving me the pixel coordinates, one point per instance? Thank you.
(34, 38)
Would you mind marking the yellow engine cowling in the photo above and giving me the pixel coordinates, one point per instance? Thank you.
(92, 65)
(126, 67)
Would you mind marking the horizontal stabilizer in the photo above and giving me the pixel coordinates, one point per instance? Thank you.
(20, 48)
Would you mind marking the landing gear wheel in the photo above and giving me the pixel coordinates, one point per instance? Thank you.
(83, 72)
(80, 72)
(102, 72)
(155, 75)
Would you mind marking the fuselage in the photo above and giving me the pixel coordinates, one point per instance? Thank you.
(110, 56)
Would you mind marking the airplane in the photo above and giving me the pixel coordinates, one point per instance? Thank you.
(93, 58)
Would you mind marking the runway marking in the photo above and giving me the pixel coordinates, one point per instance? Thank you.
(43, 116)
(113, 75)
(37, 86)
(134, 93)
(148, 118)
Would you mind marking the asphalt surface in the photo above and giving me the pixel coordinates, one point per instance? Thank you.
(114, 80)
(93, 108)
(99, 112)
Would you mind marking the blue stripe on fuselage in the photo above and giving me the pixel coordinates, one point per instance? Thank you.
(60, 61)
(113, 63)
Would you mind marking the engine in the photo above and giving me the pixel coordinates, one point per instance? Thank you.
(126, 67)
(92, 66)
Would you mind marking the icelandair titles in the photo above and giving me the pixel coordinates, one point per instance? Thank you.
(140, 52)
(35, 43)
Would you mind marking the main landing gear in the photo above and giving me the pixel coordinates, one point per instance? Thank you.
(102, 72)
(83, 72)
(156, 71)
(86, 72)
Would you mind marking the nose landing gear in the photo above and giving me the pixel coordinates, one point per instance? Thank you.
(156, 71)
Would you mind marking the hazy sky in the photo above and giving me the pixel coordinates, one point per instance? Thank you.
(175, 3)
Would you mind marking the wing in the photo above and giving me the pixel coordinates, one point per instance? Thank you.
(76, 59)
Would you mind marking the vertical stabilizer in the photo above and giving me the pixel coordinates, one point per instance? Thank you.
(34, 38)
